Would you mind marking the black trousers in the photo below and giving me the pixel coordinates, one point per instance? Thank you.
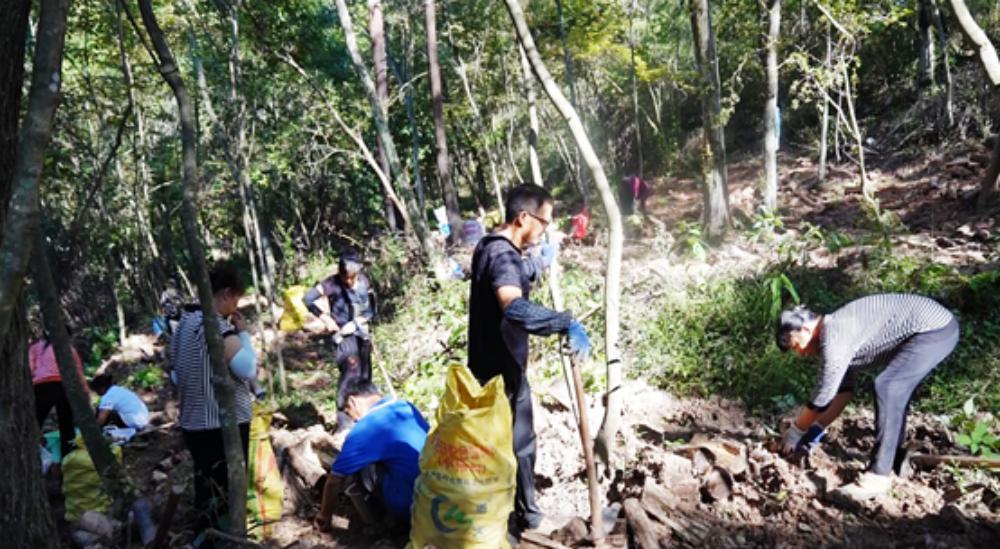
(211, 480)
(51, 395)
(913, 361)
(354, 360)
(526, 513)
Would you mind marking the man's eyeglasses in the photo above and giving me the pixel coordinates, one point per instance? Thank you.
(542, 220)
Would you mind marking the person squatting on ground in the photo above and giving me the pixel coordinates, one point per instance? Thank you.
(199, 409)
(500, 319)
(49, 392)
(909, 334)
(118, 406)
(352, 307)
(380, 460)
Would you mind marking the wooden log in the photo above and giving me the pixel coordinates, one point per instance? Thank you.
(168, 516)
(540, 540)
(647, 533)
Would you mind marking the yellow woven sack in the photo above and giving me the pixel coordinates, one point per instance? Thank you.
(265, 489)
(295, 313)
(465, 491)
(82, 485)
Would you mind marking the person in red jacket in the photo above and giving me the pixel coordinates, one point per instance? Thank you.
(49, 392)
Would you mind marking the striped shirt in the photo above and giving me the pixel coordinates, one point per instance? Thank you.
(193, 369)
(866, 332)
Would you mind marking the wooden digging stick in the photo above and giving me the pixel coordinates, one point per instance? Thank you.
(596, 526)
(378, 358)
(928, 461)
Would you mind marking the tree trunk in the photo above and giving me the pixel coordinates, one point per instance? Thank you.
(529, 95)
(991, 64)
(606, 438)
(25, 519)
(927, 57)
(221, 379)
(107, 466)
(382, 127)
(946, 62)
(43, 99)
(571, 81)
(824, 128)
(771, 108)
(411, 117)
(714, 176)
(440, 135)
(376, 31)
(637, 126)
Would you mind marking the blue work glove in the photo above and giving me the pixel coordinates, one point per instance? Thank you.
(548, 252)
(812, 437)
(579, 343)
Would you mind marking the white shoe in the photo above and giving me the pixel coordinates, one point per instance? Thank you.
(868, 485)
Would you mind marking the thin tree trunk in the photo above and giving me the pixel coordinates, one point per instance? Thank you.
(25, 519)
(632, 41)
(606, 438)
(382, 127)
(927, 57)
(529, 95)
(715, 178)
(411, 117)
(946, 62)
(571, 81)
(866, 190)
(376, 31)
(221, 379)
(771, 108)
(991, 64)
(477, 118)
(440, 135)
(107, 466)
(825, 117)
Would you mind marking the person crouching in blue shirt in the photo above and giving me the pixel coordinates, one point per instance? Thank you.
(380, 460)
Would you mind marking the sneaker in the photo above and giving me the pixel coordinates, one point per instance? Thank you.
(868, 486)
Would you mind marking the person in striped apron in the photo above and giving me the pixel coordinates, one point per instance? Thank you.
(907, 334)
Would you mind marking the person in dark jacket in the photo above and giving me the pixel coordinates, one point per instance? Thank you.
(908, 334)
(351, 307)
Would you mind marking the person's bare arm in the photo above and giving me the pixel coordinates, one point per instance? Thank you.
(102, 417)
(836, 407)
(331, 489)
(507, 294)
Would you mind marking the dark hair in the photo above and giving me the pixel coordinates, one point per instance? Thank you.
(101, 383)
(526, 198)
(792, 320)
(349, 263)
(358, 386)
(226, 275)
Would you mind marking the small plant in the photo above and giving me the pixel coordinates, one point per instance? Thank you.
(778, 283)
(975, 434)
(764, 226)
(103, 344)
(691, 238)
(980, 441)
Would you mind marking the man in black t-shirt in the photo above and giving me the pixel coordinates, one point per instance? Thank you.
(500, 319)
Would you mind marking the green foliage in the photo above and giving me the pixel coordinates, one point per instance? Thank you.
(691, 238)
(147, 377)
(103, 343)
(976, 434)
(778, 283)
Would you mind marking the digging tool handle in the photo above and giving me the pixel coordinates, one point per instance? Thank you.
(928, 461)
(597, 527)
(381, 366)
(168, 516)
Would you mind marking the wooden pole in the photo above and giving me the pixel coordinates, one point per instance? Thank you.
(596, 523)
